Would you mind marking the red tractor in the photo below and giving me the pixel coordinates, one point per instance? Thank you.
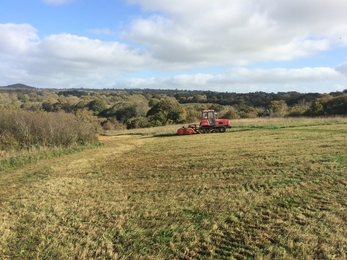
(209, 124)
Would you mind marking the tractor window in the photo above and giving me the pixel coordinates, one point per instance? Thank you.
(210, 115)
(211, 118)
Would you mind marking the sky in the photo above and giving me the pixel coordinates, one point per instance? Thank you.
(237, 46)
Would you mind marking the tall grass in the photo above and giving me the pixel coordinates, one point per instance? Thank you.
(25, 135)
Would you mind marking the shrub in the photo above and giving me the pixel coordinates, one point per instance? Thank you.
(337, 106)
(230, 114)
(25, 129)
(167, 112)
(140, 122)
(277, 108)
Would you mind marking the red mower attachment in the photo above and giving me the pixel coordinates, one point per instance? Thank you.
(190, 130)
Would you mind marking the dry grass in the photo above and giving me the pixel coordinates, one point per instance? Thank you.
(266, 193)
(27, 136)
(21, 130)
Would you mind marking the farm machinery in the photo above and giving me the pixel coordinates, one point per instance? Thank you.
(209, 124)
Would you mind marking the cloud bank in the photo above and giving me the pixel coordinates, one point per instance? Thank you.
(238, 32)
(246, 80)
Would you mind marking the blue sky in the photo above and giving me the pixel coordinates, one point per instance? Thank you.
(221, 45)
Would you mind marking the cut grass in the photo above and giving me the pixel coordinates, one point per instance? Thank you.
(273, 192)
(23, 157)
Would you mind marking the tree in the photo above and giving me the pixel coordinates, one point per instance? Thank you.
(231, 113)
(278, 108)
(316, 109)
(97, 105)
(23, 97)
(126, 112)
(167, 111)
(337, 105)
(153, 102)
(140, 122)
(199, 98)
(299, 109)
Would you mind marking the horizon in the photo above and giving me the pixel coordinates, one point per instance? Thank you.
(158, 89)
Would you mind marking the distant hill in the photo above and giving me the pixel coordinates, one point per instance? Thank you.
(19, 85)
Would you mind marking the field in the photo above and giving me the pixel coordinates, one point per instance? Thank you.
(266, 189)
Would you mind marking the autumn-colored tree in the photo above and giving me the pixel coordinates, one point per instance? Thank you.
(277, 108)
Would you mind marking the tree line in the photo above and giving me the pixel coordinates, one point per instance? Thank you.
(138, 108)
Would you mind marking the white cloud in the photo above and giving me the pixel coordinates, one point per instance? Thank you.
(338, 87)
(204, 32)
(82, 52)
(184, 35)
(16, 39)
(65, 60)
(342, 68)
(64, 57)
(247, 80)
(280, 75)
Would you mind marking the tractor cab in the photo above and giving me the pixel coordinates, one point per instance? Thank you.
(208, 118)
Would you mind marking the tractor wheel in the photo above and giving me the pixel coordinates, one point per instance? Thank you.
(222, 129)
(204, 130)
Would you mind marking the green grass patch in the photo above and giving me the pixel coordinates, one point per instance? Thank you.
(269, 193)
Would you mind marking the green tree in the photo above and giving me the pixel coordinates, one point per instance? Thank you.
(337, 105)
(97, 105)
(140, 122)
(126, 112)
(153, 102)
(23, 97)
(167, 112)
(316, 109)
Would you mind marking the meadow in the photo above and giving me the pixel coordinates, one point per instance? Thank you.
(265, 189)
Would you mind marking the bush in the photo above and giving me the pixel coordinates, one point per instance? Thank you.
(231, 114)
(97, 105)
(167, 112)
(140, 122)
(337, 106)
(25, 129)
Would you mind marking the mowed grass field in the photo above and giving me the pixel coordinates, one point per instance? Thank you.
(262, 190)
